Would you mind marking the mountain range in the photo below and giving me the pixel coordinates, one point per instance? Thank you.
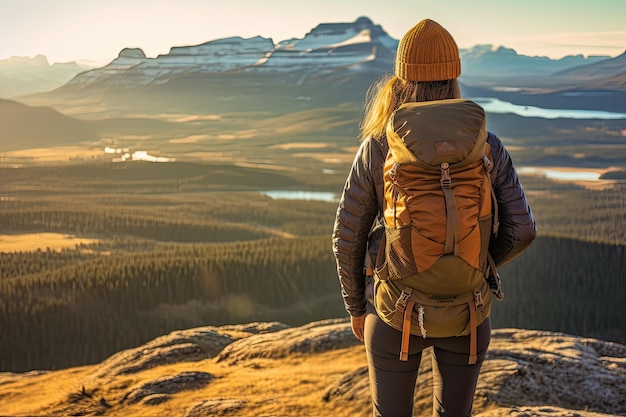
(331, 66)
(358, 51)
(23, 75)
(359, 47)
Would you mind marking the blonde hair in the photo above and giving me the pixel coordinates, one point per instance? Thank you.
(390, 92)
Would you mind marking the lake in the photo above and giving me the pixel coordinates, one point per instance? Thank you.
(562, 174)
(589, 178)
(493, 105)
(302, 195)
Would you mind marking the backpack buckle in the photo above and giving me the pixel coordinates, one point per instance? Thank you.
(488, 164)
(403, 299)
(445, 180)
(393, 172)
(479, 302)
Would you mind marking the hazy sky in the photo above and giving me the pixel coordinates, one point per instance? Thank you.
(96, 30)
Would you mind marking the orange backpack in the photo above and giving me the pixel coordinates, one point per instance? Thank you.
(439, 216)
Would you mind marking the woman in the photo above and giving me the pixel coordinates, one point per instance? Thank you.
(427, 67)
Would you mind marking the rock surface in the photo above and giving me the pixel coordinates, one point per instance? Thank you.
(180, 346)
(545, 368)
(215, 407)
(530, 373)
(319, 369)
(167, 385)
(315, 337)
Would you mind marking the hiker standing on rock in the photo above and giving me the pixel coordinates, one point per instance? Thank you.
(431, 206)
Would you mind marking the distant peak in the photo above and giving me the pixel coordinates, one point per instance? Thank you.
(42, 59)
(132, 53)
(360, 24)
(364, 21)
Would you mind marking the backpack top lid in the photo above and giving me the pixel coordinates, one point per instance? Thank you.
(432, 132)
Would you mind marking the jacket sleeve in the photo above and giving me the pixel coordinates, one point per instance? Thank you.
(517, 224)
(357, 211)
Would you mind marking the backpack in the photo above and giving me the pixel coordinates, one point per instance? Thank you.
(439, 215)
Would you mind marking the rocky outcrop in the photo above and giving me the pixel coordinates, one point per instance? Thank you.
(157, 391)
(189, 345)
(234, 370)
(181, 346)
(215, 407)
(527, 372)
(315, 337)
(534, 368)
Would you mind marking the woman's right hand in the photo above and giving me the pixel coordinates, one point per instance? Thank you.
(358, 326)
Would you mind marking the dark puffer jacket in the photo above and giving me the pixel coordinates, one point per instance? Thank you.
(362, 201)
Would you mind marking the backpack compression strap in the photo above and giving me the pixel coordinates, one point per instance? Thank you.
(473, 357)
(405, 305)
(452, 219)
(488, 165)
(406, 331)
(453, 227)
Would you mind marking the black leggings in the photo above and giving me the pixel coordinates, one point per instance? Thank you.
(392, 382)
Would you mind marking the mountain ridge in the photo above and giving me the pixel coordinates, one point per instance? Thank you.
(604, 68)
(24, 126)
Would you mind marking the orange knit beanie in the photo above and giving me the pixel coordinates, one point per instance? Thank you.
(427, 52)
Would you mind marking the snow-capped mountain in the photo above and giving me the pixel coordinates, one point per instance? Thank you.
(333, 64)
(333, 45)
(359, 45)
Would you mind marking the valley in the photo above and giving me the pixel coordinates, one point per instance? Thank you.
(130, 209)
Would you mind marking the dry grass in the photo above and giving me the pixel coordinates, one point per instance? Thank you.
(34, 241)
(56, 154)
(294, 386)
